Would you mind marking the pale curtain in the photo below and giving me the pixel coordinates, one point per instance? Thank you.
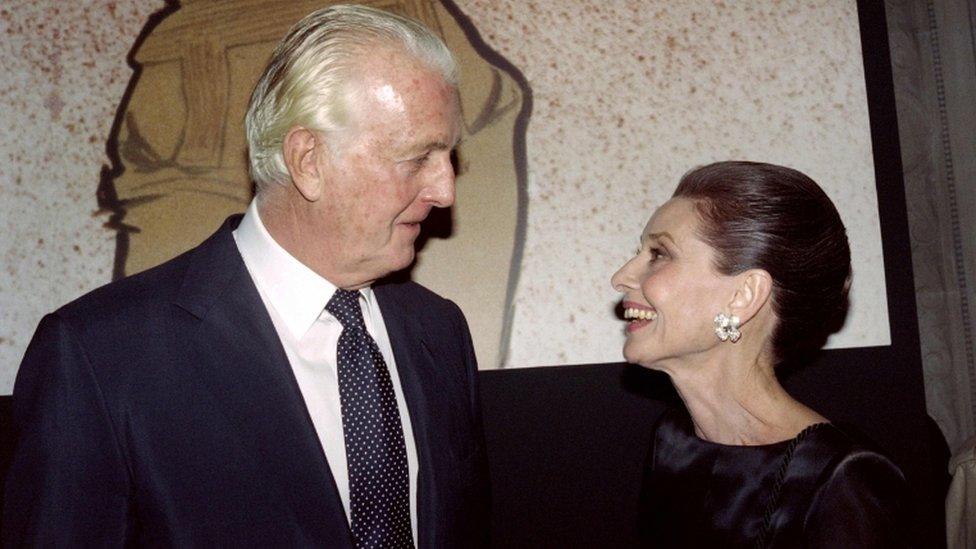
(934, 67)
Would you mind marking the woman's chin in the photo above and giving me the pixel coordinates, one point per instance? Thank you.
(634, 356)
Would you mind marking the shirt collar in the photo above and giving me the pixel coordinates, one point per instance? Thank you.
(296, 292)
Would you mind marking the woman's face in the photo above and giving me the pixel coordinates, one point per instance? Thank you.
(671, 290)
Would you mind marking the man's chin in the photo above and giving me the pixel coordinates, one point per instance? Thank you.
(400, 260)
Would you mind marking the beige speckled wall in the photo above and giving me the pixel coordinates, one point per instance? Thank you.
(62, 73)
(628, 95)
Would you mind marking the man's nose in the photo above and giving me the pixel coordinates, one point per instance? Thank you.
(440, 191)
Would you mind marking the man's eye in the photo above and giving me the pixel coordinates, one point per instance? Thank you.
(421, 160)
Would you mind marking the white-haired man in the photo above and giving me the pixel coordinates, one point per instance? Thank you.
(259, 390)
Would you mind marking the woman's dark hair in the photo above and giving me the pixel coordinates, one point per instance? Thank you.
(763, 216)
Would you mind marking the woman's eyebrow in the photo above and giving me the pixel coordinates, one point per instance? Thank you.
(657, 236)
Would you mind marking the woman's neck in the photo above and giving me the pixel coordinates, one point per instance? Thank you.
(739, 401)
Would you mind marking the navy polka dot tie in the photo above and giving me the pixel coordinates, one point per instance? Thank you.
(379, 482)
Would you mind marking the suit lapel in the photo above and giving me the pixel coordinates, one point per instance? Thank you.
(419, 383)
(241, 358)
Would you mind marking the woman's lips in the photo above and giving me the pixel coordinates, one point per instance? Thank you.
(638, 315)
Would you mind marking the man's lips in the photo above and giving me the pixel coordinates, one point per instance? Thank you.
(412, 224)
(414, 219)
(411, 229)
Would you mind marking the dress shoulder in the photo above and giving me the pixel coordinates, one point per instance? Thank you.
(862, 502)
(823, 488)
(837, 491)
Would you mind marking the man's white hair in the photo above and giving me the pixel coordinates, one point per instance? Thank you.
(305, 81)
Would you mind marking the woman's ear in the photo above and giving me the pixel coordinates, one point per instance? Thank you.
(301, 152)
(753, 291)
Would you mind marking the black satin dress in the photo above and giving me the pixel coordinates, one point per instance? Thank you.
(820, 489)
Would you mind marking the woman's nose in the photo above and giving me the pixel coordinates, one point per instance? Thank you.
(624, 278)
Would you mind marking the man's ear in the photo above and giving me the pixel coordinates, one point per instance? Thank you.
(301, 152)
(754, 289)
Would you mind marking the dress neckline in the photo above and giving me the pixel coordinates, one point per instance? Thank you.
(688, 429)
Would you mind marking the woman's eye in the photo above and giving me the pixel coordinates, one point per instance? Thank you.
(653, 253)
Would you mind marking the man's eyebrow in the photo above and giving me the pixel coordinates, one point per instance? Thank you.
(435, 145)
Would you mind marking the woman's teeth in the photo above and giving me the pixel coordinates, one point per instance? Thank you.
(634, 313)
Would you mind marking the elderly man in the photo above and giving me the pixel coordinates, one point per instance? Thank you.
(264, 389)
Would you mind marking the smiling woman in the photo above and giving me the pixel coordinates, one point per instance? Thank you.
(745, 266)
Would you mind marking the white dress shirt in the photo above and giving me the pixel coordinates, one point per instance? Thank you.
(295, 297)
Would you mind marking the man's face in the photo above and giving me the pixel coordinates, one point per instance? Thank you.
(385, 173)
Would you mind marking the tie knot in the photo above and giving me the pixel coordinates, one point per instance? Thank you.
(344, 305)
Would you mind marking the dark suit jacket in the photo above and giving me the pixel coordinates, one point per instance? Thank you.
(161, 409)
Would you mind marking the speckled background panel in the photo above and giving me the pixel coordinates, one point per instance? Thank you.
(627, 96)
(62, 73)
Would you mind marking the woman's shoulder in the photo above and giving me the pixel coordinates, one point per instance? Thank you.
(839, 460)
(859, 495)
(846, 451)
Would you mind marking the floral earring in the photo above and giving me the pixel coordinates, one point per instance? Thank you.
(727, 327)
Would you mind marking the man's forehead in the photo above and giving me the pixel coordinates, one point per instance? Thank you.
(422, 93)
(394, 84)
(387, 59)
(389, 97)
